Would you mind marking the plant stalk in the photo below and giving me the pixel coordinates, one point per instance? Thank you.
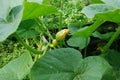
(113, 38)
(27, 46)
(41, 21)
(61, 14)
(85, 52)
(60, 21)
(96, 25)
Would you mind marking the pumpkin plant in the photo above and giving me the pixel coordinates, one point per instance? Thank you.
(59, 53)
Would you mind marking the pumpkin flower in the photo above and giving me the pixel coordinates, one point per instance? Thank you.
(61, 34)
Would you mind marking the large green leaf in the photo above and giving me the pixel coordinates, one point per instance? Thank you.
(56, 65)
(112, 16)
(11, 22)
(11, 13)
(104, 11)
(67, 64)
(80, 42)
(37, 1)
(40, 1)
(114, 3)
(113, 57)
(95, 68)
(10, 17)
(34, 10)
(95, 1)
(4, 9)
(15, 3)
(91, 10)
(17, 69)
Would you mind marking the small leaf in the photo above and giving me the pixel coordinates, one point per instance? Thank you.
(27, 29)
(80, 42)
(74, 27)
(17, 69)
(105, 36)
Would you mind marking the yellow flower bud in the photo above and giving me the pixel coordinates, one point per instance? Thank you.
(61, 34)
(54, 43)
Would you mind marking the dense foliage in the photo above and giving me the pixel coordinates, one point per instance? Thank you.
(59, 40)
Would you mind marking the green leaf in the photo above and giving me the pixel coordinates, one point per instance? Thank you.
(87, 31)
(10, 24)
(17, 69)
(114, 3)
(56, 65)
(105, 36)
(4, 9)
(95, 68)
(34, 10)
(37, 1)
(104, 11)
(15, 3)
(113, 57)
(74, 27)
(100, 18)
(28, 29)
(80, 42)
(112, 16)
(6, 6)
(95, 1)
(67, 64)
(40, 1)
(91, 10)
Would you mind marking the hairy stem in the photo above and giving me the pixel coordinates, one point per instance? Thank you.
(27, 46)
